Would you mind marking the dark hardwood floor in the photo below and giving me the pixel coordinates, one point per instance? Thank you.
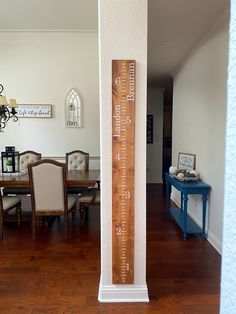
(54, 276)
(182, 276)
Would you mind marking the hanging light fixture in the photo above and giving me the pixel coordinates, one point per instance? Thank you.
(7, 109)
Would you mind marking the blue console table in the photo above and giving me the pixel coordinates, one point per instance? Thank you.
(181, 214)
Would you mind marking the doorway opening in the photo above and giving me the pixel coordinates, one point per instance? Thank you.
(190, 45)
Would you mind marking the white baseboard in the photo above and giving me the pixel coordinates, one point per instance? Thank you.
(123, 293)
(154, 181)
(214, 241)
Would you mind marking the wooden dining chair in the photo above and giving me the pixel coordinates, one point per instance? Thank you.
(25, 158)
(8, 203)
(86, 199)
(49, 192)
(77, 160)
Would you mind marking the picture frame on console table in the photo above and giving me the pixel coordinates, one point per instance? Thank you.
(186, 161)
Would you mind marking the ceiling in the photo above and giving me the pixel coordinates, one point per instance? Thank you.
(174, 29)
(49, 15)
(174, 26)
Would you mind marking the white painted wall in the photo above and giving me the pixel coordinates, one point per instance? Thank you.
(228, 275)
(123, 35)
(154, 151)
(199, 107)
(41, 67)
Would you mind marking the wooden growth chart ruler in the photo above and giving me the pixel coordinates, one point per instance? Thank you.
(123, 151)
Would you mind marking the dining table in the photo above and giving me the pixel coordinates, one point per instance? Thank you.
(74, 178)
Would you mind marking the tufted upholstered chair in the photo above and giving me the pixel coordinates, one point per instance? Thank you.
(25, 157)
(8, 203)
(28, 157)
(77, 160)
(49, 192)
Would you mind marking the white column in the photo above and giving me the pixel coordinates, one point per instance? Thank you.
(123, 35)
(228, 281)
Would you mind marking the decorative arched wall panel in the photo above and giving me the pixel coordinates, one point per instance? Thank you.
(73, 109)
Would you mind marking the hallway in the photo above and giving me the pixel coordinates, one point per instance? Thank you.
(182, 276)
(54, 276)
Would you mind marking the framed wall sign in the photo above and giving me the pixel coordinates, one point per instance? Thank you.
(34, 111)
(186, 161)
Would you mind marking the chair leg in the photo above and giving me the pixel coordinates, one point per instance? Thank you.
(18, 212)
(1, 226)
(82, 214)
(86, 213)
(33, 226)
(40, 221)
(66, 226)
(73, 212)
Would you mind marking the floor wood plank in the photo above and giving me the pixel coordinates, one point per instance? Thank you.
(54, 276)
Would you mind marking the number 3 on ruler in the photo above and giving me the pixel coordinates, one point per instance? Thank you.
(126, 195)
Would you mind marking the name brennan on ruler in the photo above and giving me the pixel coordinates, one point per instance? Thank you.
(122, 81)
(123, 171)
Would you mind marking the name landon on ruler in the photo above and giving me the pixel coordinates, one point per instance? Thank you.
(121, 80)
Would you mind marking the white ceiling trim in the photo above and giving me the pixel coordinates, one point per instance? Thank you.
(95, 31)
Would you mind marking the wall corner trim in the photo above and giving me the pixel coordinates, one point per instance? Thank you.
(123, 293)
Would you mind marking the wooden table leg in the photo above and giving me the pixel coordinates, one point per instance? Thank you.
(185, 198)
(167, 196)
(204, 201)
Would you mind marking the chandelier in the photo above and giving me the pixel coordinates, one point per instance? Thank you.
(7, 109)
